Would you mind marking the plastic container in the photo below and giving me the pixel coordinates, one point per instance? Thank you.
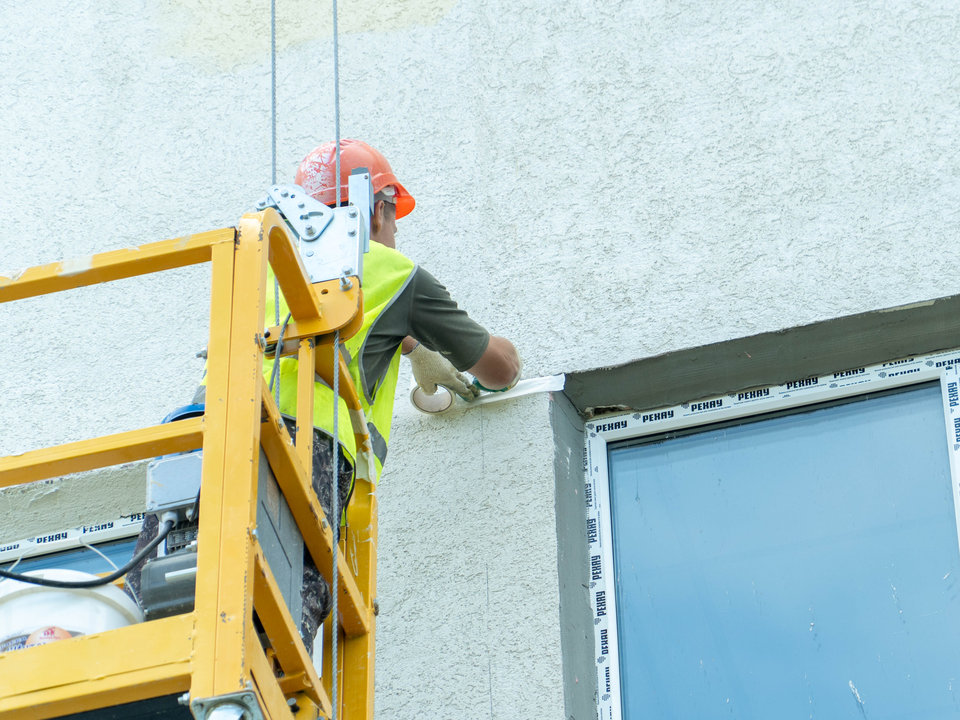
(26, 608)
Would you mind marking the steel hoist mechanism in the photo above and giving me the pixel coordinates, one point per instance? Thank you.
(232, 492)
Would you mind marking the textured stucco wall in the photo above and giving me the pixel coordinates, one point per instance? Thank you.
(599, 181)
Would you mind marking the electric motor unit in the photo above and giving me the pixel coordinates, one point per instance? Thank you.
(168, 582)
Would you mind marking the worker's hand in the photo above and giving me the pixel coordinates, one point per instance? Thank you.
(431, 369)
(479, 387)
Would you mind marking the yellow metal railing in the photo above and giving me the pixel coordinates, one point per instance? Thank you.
(215, 650)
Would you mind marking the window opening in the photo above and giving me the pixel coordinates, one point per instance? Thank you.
(899, 394)
(65, 549)
(83, 559)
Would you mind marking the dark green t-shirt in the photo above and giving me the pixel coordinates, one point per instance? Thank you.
(425, 311)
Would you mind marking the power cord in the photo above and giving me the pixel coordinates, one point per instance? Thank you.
(168, 525)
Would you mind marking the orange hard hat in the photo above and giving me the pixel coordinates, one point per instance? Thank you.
(316, 173)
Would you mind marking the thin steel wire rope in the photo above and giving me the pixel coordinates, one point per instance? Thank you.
(275, 374)
(273, 176)
(336, 94)
(335, 513)
(273, 92)
(335, 480)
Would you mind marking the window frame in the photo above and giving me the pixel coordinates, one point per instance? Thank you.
(601, 432)
(52, 543)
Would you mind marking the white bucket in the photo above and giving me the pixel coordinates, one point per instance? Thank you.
(26, 608)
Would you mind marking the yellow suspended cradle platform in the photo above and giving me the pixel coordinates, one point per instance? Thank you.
(215, 650)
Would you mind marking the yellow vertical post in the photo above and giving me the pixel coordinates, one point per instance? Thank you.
(239, 507)
(361, 554)
(305, 379)
(327, 660)
(214, 448)
(233, 609)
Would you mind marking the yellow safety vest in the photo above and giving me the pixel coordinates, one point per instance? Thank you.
(386, 272)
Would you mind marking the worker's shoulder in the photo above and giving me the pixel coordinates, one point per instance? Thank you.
(383, 255)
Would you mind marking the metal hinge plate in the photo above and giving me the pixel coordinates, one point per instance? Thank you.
(332, 241)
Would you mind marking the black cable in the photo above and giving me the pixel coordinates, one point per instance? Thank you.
(134, 561)
(192, 512)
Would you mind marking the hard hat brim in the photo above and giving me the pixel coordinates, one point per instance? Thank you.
(405, 201)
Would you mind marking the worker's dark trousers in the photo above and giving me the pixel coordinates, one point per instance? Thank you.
(315, 590)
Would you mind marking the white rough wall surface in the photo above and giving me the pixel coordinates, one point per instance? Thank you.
(598, 181)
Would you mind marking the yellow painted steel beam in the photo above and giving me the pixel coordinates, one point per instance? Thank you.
(323, 306)
(293, 684)
(96, 671)
(212, 480)
(327, 659)
(358, 653)
(307, 710)
(305, 396)
(113, 265)
(308, 514)
(340, 309)
(288, 268)
(270, 695)
(348, 391)
(323, 328)
(284, 634)
(179, 436)
(241, 457)
(324, 368)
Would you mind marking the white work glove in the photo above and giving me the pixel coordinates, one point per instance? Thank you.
(431, 369)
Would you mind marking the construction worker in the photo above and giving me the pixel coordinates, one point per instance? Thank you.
(405, 311)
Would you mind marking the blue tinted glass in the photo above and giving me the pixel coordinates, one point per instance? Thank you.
(799, 567)
(81, 559)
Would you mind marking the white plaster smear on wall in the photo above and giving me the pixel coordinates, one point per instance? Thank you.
(598, 181)
(238, 33)
(61, 503)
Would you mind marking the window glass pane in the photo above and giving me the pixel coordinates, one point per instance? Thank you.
(798, 567)
(83, 559)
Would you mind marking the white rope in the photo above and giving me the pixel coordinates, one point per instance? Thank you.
(91, 547)
(335, 510)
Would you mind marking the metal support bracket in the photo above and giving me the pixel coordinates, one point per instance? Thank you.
(360, 186)
(233, 706)
(307, 217)
(332, 240)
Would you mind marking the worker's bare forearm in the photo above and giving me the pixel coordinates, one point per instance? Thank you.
(499, 366)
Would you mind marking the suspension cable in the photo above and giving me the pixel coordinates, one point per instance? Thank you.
(273, 92)
(336, 95)
(335, 509)
(273, 175)
(336, 383)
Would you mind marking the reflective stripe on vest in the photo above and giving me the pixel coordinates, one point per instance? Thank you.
(386, 273)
